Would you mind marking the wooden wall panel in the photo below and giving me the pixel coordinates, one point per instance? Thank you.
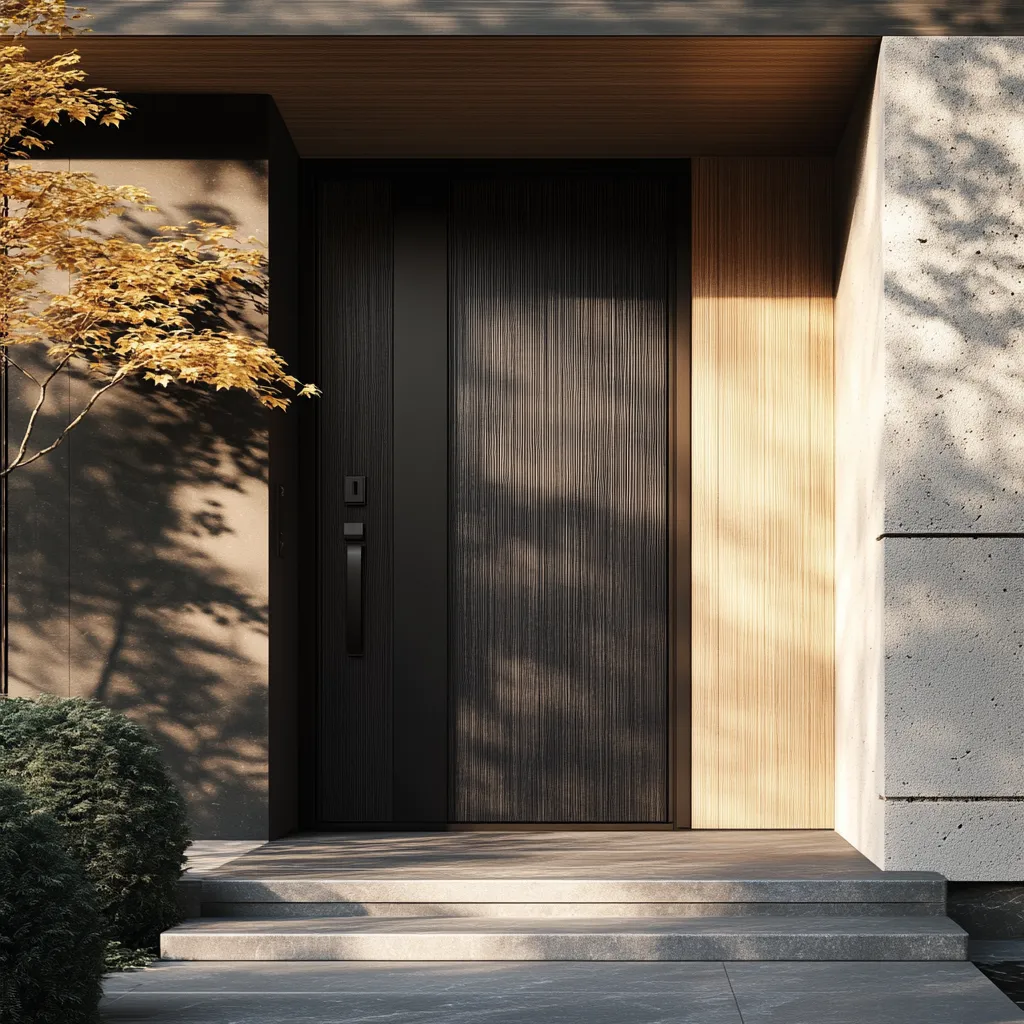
(762, 576)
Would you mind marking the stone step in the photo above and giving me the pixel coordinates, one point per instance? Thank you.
(892, 887)
(608, 938)
(281, 909)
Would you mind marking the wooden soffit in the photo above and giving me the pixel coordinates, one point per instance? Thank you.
(476, 96)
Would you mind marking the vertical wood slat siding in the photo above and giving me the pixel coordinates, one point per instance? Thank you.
(559, 324)
(763, 502)
(355, 438)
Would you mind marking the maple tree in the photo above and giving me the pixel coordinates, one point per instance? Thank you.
(129, 308)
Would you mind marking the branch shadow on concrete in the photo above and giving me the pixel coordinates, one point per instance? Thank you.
(950, 458)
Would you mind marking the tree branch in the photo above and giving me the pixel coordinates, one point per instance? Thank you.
(20, 369)
(35, 415)
(67, 430)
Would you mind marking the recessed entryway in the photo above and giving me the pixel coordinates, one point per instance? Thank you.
(506, 351)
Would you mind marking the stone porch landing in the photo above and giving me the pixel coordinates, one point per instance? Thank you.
(615, 895)
(609, 855)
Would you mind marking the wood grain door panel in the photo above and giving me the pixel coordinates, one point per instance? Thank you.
(559, 315)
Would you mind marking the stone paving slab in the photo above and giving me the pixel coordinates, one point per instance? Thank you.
(618, 856)
(557, 993)
(350, 993)
(606, 939)
(282, 909)
(891, 888)
(857, 993)
(205, 855)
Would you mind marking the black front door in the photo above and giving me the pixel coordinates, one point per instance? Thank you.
(493, 496)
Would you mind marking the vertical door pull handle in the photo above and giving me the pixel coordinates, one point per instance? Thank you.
(280, 521)
(355, 547)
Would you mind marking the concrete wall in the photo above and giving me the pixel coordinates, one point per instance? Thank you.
(938, 781)
(859, 484)
(554, 17)
(954, 455)
(138, 551)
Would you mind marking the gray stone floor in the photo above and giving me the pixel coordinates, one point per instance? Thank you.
(557, 993)
(562, 855)
(997, 950)
(204, 855)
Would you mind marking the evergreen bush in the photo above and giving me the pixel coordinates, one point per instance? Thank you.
(51, 934)
(103, 780)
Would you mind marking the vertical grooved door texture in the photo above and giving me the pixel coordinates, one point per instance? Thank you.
(558, 325)
(763, 501)
(354, 717)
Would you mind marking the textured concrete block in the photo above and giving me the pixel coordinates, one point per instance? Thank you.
(859, 481)
(954, 684)
(954, 283)
(967, 841)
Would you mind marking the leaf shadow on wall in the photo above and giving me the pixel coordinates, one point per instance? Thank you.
(953, 446)
(138, 562)
(158, 626)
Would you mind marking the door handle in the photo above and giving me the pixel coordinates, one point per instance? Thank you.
(355, 547)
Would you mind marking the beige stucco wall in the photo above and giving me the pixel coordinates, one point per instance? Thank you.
(138, 553)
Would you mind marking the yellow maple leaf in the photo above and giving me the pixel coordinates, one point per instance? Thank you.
(130, 309)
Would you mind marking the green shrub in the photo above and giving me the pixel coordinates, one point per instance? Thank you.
(51, 934)
(103, 780)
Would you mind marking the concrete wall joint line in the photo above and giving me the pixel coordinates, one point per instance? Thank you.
(951, 799)
(924, 535)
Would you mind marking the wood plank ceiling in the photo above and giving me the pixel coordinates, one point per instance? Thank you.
(443, 96)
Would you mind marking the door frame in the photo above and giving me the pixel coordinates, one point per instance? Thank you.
(679, 508)
(421, 191)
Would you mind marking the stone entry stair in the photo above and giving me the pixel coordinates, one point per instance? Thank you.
(400, 908)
